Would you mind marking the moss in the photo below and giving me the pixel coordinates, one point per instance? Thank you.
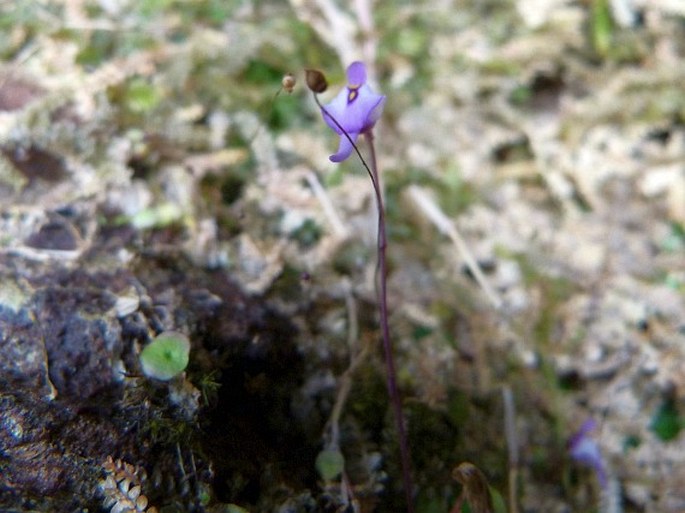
(667, 422)
(307, 234)
(368, 392)
(555, 290)
(434, 440)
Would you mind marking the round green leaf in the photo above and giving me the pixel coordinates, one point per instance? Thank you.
(330, 464)
(166, 356)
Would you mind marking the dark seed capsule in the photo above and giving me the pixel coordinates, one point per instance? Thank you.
(316, 80)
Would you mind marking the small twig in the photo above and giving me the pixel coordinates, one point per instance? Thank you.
(512, 445)
(327, 205)
(444, 225)
(180, 461)
(345, 380)
(334, 25)
(611, 496)
(352, 319)
(364, 14)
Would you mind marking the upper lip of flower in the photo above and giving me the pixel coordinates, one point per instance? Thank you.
(356, 108)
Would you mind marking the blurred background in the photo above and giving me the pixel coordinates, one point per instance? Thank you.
(533, 159)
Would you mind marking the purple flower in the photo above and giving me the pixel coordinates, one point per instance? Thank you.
(356, 109)
(585, 451)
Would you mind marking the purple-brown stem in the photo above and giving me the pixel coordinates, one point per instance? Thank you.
(393, 390)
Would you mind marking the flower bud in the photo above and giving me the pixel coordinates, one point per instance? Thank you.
(288, 82)
(316, 81)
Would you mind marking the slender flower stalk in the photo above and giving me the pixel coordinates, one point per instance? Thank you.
(385, 329)
(353, 112)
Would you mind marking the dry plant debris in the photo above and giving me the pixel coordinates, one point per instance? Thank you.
(122, 488)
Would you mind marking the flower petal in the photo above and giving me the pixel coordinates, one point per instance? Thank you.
(589, 425)
(586, 451)
(337, 109)
(375, 112)
(356, 74)
(354, 110)
(358, 115)
(344, 148)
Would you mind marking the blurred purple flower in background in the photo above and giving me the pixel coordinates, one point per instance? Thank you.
(356, 108)
(585, 451)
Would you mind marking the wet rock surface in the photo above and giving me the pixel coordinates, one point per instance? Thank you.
(71, 392)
